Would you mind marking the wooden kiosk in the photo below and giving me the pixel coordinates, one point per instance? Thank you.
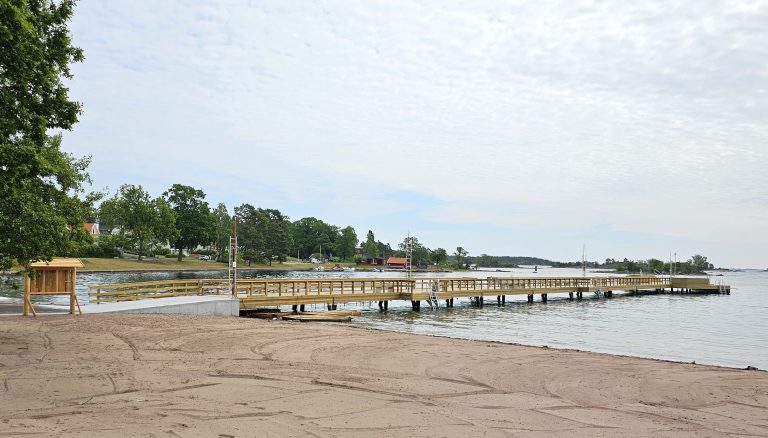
(56, 277)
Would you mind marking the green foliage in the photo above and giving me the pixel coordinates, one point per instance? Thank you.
(695, 265)
(311, 235)
(106, 245)
(384, 249)
(40, 213)
(224, 230)
(369, 247)
(439, 256)
(346, 243)
(143, 222)
(263, 234)
(460, 254)
(421, 255)
(195, 225)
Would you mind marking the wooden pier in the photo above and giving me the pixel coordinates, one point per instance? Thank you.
(298, 292)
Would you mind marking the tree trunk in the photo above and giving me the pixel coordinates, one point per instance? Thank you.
(180, 255)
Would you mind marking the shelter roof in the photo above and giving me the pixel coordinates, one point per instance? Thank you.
(58, 263)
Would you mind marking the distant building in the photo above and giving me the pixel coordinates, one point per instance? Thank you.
(397, 263)
(92, 229)
(372, 261)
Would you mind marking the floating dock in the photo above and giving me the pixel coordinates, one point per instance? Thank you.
(298, 292)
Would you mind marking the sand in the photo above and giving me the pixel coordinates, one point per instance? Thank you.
(184, 376)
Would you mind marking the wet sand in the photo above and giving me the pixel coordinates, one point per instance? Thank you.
(184, 376)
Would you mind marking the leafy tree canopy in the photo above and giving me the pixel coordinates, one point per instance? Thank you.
(142, 221)
(40, 214)
(194, 222)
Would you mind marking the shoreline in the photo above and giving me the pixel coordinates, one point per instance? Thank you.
(557, 348)
(195, 375)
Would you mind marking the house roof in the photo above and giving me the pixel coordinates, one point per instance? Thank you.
(88, 227)
(398, 260)
(58, 263)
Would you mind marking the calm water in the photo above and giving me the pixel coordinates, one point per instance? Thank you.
(728, 330)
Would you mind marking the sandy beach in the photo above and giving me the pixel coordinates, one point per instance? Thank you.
(184, 376)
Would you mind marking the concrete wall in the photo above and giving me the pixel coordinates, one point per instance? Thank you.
(222, 307)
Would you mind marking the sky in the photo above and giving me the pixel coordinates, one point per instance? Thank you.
(631, 129)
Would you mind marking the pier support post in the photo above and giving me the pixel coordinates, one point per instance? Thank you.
(482, 300)
(381, 305)
(503, 300)
(570, 296)
(301, 308)
(416, 305)
(295, 308)
(386, 304)
(530, 298)
(578, 295)
(543, 298)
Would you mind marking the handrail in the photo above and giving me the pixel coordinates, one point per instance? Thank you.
(363, 287)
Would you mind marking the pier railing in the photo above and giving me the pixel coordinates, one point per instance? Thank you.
(366, 289)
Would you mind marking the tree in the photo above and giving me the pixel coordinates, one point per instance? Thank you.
(141, 220)
(194, 221)
(277, 235)
(439, 256)
(40, 213)
(346, 243)
(310, 234)
(385, 250)
(699, 263)
(249, 238)
(369, 247)
(224, 231)
(264, 234)
(486, 261)
(420, 254)
(460, 253)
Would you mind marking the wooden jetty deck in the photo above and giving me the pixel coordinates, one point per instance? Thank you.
(275, 292)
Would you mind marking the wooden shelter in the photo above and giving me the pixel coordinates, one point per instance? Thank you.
(56, 277)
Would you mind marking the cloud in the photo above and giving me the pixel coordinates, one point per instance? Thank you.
(550, 117)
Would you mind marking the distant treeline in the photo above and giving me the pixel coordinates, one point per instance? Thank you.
(695, 265)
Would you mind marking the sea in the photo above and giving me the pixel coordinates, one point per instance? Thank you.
(726, 330)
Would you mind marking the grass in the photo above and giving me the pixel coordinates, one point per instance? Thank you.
(161, 264)
(188, 263)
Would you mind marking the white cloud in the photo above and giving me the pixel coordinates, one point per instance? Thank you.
(546, 116)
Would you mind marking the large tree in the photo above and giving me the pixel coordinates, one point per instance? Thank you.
(460, 253)
(40, 213)
(250, 239)
(263, 234)
(310, 234)
(194, 222)
(142, 221)
(369, 247)
(346, 243)
(439, 256)
(224, 231)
